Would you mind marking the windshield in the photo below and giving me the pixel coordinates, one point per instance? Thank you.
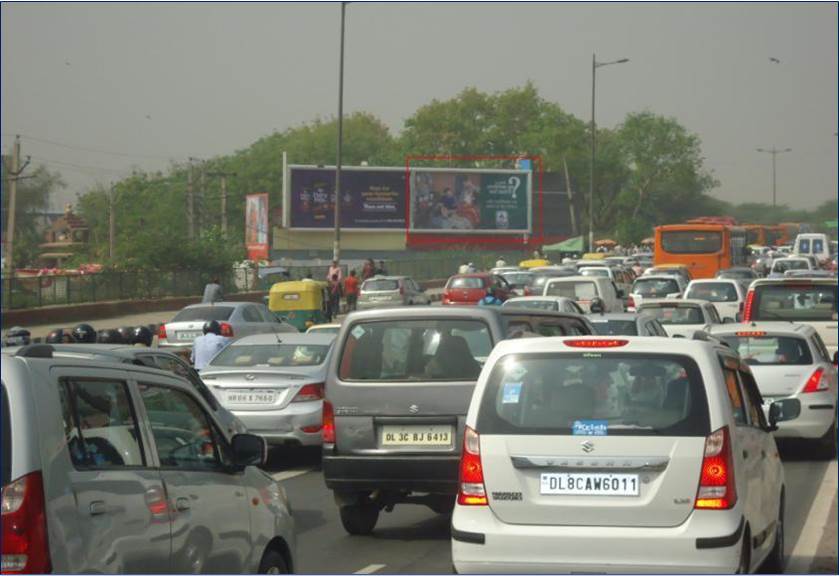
(532, 304)
(804, 246)
(380, 285)
(415, 350)
(674, 316)
(795, 303)
(576, 290)
(691, 242)
(601, 272)
(713, 292)
(785, 264)
(740, 274)
(592, 393)
(467, 282)
(615, 327)
(770, 350)
(203, 314)
(517, 278)
(655, 287)
(270, 355)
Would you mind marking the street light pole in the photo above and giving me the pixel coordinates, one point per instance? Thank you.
(593, 129)
(774, 152)
(336, 247)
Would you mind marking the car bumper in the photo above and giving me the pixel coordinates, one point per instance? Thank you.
(708, 542)
(286, 426)
(433, 474)
(818, 411)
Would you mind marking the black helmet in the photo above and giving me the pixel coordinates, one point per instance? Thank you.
(84, 333)
(17, 336)
(127, 334)
(59, 336)
(142, 335)
(212, 326)
(109, 336)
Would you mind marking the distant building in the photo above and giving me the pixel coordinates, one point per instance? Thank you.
(65, 236)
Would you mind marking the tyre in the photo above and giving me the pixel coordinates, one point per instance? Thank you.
(774, 563)
(273, 563)
(828, 444)
(359, 519)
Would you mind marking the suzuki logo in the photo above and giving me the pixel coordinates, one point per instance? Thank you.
(249, 377)
(587, 447)
(413, 409)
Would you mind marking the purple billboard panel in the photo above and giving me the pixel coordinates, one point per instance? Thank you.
(373, 199)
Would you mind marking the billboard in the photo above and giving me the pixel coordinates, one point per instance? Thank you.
(370, 198)
(496, 201)
(256, 226)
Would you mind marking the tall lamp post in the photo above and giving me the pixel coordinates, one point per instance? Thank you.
(594, 66)
(774, 151)
(336, 246)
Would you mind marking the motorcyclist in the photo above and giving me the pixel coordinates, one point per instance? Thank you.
(84, 334)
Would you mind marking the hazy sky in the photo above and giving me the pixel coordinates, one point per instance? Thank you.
(140, 84)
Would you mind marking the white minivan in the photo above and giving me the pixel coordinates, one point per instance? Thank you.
(813, 244)
(586, 289)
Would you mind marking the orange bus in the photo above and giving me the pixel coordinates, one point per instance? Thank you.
(774, 235)
(704, 248)
(755, 234)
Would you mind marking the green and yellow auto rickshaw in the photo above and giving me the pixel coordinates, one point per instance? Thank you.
(302, 303)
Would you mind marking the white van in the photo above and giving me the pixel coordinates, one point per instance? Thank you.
(584, 289)
(812, 244)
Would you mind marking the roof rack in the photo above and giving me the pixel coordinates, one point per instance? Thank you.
(35, 351)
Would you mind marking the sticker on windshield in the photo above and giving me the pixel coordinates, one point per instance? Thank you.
(590, 428)
(512, 393)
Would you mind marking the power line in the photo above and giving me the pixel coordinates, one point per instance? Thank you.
(95, 150)
(71, 165)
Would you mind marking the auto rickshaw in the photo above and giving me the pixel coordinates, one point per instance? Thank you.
(301, 303)
(534, 263)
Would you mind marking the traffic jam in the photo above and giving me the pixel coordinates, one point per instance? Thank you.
(559, 414)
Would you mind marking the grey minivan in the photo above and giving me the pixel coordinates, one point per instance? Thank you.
(398, 387)
(116, 468)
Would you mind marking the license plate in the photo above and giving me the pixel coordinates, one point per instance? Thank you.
(189, 335)
(430, 435)
(256, 397)
(589, 484)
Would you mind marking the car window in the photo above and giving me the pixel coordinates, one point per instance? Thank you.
(753, 400)
(713, 315)
(818, 246)
(795, 302)
(713, 292)
(576, 290)
(467, 282)
(380, 285)
(251, 314)
(531, 304)
(626, 394)
(184, 435)
(615, 327)
(735, 396)
(804, 246)
(763, 350)
(268, 355)
(175, 366)
(203, 314)
(415, 350)
(675, 315)
(821, 348)
(655, 287)
(100, 426)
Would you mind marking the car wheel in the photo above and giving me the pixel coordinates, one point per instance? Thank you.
(828, 443)
(359, 519)
(273, 563)
(774, 563)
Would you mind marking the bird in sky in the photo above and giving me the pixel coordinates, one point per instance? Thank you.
(148, 117)
(774, 60)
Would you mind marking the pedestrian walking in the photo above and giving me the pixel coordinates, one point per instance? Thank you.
(463, 269)
(351, 291)
(335, 270)
(212, 292)
(206, 346)
(368, 270)
(380, 270)
(334, 297)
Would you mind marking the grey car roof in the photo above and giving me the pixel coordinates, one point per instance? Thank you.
(84, 362)
(286, 338)
(111, 350)
(407, 312)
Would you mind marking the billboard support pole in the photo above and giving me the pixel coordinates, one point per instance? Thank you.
(336, 247)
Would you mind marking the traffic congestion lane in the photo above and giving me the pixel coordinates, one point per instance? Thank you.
(413, 539)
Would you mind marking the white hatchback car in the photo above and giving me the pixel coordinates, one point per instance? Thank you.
(605, 454)
(791, 361)
(681, 318)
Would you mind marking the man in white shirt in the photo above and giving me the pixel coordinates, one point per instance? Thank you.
(205, 347)
(333, 270)
(500, 263)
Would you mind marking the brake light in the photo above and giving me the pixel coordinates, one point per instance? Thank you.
(471, 491)
(747, 309)
(161, 332)
(630, 301)
(328, 431)
(596, 343)
(816, 382)
(25, 548)
(717, 490)
(751, 334)
(309, 393)
(226, 330)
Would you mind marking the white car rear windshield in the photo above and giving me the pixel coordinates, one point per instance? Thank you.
(593, 394)
(203, 314)
(580, 290)
(770, 350)
(785, 264)
(655, 287)
(794, 302)
(713, 292)
(380, 285)
(615, 327)
(415, 350)
(270, 355)
(673, 315)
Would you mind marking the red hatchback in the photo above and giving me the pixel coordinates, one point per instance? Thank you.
(470, 288)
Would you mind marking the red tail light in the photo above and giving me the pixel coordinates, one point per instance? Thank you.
(471, 491)
(596, 343)
(630, 301)
(226, 330)
(25, 547)
(309, 393)
(816, 382)
(328, 431)
(161, 332)
(717, 490)
(747, 309)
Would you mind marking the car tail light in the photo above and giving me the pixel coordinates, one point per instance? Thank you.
(596, 343)
(226, 330)
(471, 490)
(25, 548)
(161, 332)
(717, 490)
(816, 382)
(309, 393)
(630, 301)
(750, 334)
(328, 430)
(747, 308)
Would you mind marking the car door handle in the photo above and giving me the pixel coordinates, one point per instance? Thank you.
(182, 504)
(97, 508)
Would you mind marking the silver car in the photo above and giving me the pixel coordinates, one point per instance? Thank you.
(116, 468)
(274, 384)
(627, 324)
(555, 303)
(389, 291)
(681, 318)
(237, 319)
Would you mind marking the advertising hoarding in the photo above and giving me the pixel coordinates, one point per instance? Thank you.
(256, 226)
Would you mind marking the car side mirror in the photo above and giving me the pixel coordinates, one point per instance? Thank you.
(783, 411)
(249, 450)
